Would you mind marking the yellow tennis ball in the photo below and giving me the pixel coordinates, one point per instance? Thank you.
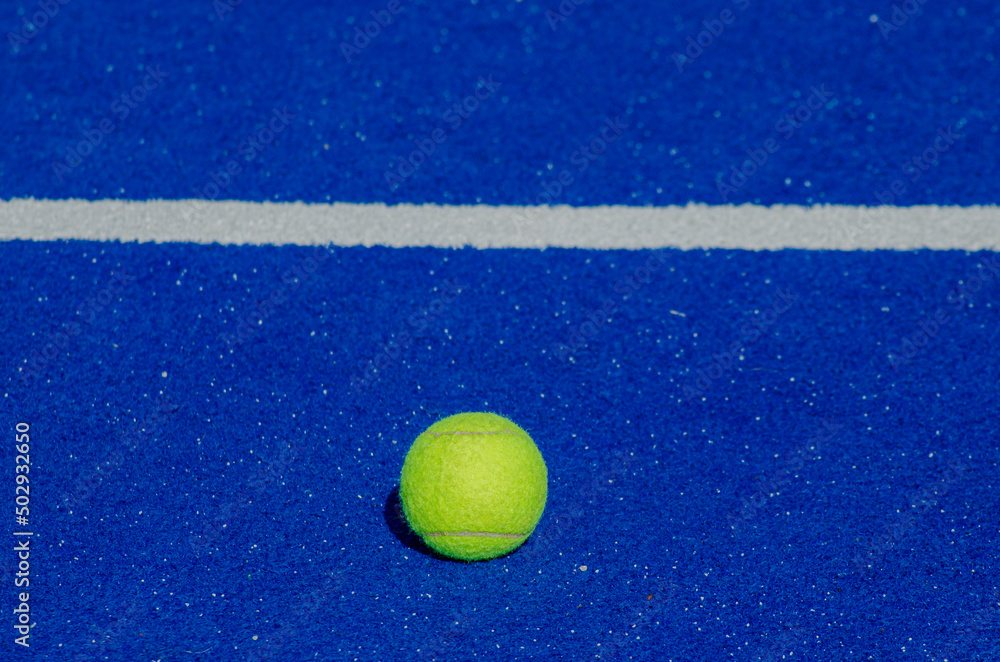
(473, 486)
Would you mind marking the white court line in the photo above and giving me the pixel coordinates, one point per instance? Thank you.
(752, 227)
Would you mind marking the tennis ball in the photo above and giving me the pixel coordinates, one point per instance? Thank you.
(473, 486)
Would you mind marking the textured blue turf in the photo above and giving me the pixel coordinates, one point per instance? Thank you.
(750, 454)
(219, 72)
(205, 496)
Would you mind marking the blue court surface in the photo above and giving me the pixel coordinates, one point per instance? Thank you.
(788, 453)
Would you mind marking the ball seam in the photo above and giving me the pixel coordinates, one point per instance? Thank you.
(475, 534)
(438, 434)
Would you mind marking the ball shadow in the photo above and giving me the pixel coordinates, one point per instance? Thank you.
(396, 521)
